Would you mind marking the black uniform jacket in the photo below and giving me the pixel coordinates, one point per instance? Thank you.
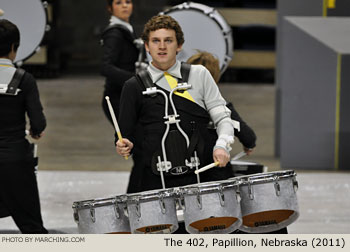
(246, 135)
(149, 112)
(13, 145)
(119, 57)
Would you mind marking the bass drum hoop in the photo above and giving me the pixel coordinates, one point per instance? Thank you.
(30, 17)
(213, 15)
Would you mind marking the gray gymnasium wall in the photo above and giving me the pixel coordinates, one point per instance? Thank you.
(299, 8)
(311, 89)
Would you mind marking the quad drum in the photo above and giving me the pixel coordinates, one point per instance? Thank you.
(211, 207)
(101, 216)
(268, 201)
(257, 203)
(152, 212)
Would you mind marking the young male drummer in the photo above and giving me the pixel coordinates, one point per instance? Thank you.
(196, 106)
(19, 96)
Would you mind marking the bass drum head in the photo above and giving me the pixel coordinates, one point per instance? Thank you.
(205, 30)
(30, 18)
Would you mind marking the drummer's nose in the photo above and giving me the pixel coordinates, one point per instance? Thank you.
(162, 44)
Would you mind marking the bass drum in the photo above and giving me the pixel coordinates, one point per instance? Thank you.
(205, 30)
(30, 16)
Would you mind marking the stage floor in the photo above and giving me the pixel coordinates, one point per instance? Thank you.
(323, 199)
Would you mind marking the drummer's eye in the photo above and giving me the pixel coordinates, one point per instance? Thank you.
(168, 41)
(155, 40)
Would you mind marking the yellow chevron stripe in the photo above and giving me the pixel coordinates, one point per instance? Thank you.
(173, 83)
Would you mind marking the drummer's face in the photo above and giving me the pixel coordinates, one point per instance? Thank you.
(122, 9)
(162, 46)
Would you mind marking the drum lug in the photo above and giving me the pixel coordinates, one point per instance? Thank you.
(221, 197)
(92, 214)
(238, 195)
(116, 209)
(76, 216)
(199, 201)
(138, 208)
(162, 204)
(181, 201)
(250, 190)
(295, 184)
(125, 210)
(277, 186)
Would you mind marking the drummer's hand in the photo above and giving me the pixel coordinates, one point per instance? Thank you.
(36, 137)
(248, 151)
(220, 155)
(124, 147)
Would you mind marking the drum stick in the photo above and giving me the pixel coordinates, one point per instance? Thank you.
(1, 12)
(114, 119)
(239, 155)
(209, 166)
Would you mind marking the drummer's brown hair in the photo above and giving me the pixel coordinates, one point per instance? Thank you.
(209, 61)
(9, 36)
(163, 22)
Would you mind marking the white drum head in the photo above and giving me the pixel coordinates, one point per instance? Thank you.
(205, 30)
(30, 18)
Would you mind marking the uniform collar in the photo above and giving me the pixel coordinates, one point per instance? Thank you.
(6, 62)
(156, 73)
(114, 20)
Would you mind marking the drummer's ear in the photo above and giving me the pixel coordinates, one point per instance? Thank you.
(179, 48)
(13, 53)
(146, 47)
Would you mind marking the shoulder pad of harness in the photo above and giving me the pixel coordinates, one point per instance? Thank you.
(185, 71)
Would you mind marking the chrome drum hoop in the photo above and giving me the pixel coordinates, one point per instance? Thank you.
(216, 38)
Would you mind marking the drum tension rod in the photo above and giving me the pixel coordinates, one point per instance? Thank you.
(162, 204)
(277, 186)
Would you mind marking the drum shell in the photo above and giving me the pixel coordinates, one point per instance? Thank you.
(211, 207)
(265, 198)
(106, 220)
(151, 214)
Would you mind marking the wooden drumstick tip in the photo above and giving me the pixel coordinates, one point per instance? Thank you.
(107, 98)
(1, 12)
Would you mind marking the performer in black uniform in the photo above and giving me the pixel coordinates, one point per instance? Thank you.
(123, 54)
(246, 134)
(119, 52)
(197, 106)
(19, 96)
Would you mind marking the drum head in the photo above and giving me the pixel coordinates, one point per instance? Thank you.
(205, 30)
(30, 18)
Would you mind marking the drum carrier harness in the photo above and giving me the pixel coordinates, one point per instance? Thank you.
(177, 150)
(11, 88)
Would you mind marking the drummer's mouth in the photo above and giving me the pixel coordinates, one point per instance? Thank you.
(162, 54)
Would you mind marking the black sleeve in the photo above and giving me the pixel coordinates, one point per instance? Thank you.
(246, 135)
(113, 41)
(130, 104)
(33, 105)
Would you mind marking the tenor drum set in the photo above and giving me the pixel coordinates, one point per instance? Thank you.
(257, 203)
